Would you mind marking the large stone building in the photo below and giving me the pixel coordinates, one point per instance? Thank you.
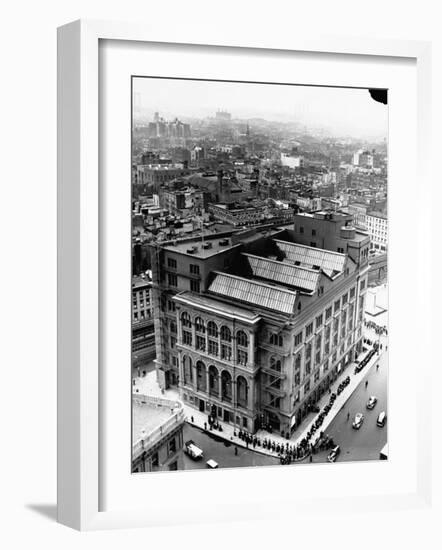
(256, 325)
(157, 434)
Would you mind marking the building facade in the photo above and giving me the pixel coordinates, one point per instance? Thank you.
(143, 327)
(377, 227)
(185, 202)
(155, 175)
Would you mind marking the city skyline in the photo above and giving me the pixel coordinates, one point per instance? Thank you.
(343, 112)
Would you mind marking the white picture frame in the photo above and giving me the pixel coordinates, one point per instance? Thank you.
(79, 267)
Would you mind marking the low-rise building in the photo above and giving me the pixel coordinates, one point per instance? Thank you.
(292, 161)
(184, 202)
(154, 175)
(157, 434)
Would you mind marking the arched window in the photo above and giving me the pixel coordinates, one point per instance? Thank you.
(226, 335)
(185, 319)
(200, 376)
(212, 329)
(213, 381)
(226, 386)
(242, 391)
(199, 325)
(187, 370)
(241, 339)
(275, 363)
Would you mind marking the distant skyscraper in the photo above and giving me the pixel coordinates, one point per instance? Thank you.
(168, 129)
(223, 116)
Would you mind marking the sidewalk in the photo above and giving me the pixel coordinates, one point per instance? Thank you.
(355, 380)
(148, 385)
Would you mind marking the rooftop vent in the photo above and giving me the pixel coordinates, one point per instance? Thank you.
(192, 250)
(206, 246)
(224, 242)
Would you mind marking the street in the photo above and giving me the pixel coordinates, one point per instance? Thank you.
(367, 442)
(221, 451)
(363, 444)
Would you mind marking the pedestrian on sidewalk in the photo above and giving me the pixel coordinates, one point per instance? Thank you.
(366, 383)
(205, 425)
(377, 366)
(236, 451)
(191, 419)
(348, 415)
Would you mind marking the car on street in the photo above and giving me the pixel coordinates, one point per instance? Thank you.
(334, 453)
(382, 418)
(371, 403)
(212, 464)
(192, 450)
(357, 422)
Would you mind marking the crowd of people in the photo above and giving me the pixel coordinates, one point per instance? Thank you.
(379, 330)
(289, 453)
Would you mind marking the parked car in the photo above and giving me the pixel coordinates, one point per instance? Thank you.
(192, 450)
(359, 366)
(212, 464)
(357, 422)
(334, 453)
(382, 418)
(371, 403)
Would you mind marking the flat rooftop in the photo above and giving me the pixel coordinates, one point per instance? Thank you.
(360, 236)
(160, 167)
(148, 417)
(138, 282)
(213, 246)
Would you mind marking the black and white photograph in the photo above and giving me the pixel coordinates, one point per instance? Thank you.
(259, 281)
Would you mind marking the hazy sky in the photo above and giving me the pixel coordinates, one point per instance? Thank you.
(344, 111)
